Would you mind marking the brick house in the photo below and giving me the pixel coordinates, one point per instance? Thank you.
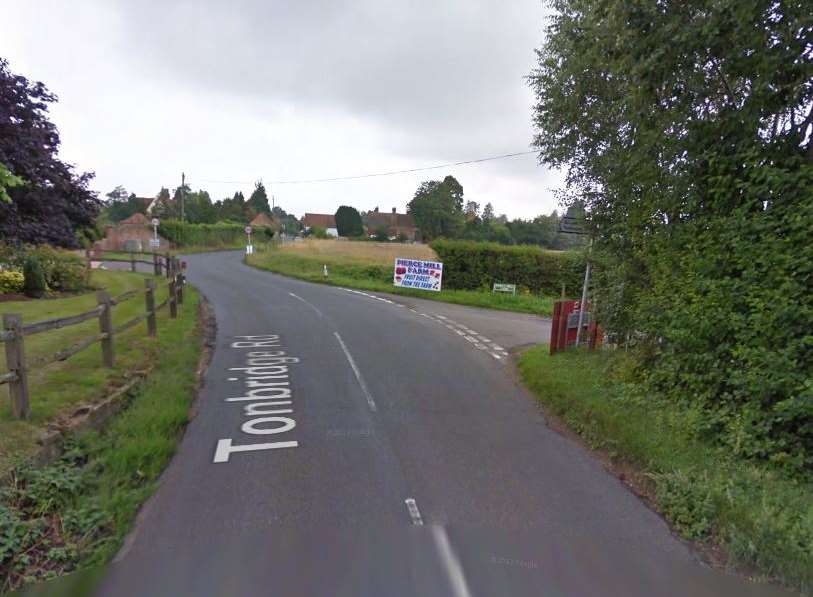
(131, 234)
(396, 224)
(326, 221)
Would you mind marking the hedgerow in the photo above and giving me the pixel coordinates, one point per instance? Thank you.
(183, 234)
(470, 265)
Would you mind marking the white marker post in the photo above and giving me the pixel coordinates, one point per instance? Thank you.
(154, 242)
(249, 248)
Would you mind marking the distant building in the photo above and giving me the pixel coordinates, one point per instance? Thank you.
(262, 220)
(326, 221)
(396, 224)
(131, 234)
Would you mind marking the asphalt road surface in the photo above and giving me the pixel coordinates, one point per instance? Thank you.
(352, 444)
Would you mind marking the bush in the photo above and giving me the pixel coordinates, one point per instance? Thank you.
(11, 281)
(183, 234)
(34, 278)
(64, 272)
(318, 232)
(470, 265)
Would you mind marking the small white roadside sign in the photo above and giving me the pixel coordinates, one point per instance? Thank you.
(415, 273)
(155, 243)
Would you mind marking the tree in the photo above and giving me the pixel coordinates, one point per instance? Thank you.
(438, 208)
(166, 207)
(348, 221)
(8, 181)
(687, 129)
(258, 201)
(199, 208)
(234, 209)
(53, 203)
(488, 212)
(472, 210)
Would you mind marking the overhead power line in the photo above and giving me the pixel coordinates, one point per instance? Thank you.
(376, 174)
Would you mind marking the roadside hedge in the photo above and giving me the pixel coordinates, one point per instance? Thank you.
(470, 265)
(183, 234)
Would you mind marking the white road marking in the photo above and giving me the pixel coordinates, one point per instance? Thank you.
(232, 379)
(357, 373)
(414, 513)
(470, 339)
(496, 356)
(497, 347)
(299, 298)
(453, 568)
(441, 316)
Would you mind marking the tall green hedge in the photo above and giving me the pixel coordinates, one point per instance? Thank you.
(470, 265)
(183, 234)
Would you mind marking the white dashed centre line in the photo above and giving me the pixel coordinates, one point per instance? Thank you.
(460, 587)
(357, 373)
(414, 513)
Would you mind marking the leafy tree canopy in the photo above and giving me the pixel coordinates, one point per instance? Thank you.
(685, 127)
(438, 208)
(348, 221)
(54, 202)
(258, 201)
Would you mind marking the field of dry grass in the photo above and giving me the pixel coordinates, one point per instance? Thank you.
(358, 252)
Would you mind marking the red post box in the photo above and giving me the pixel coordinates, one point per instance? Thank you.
(566, 322)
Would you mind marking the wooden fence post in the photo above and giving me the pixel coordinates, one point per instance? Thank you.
(179, 282)
(156, 265)
(15, 362)
(173, 299)
(167, 265)
(132, 262)
(106, 326)
(149, 299)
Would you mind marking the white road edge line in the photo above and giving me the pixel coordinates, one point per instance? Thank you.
(449, 559)
(357, 373)
(318, 312)
(414, 513)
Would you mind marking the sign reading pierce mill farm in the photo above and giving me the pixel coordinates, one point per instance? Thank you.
(413, 273)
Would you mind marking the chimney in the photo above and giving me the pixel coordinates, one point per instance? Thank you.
(376, 209)
(393, 210)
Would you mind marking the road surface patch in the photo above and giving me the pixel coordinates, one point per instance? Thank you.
(357, 373)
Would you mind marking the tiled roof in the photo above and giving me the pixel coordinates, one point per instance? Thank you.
(321, 220)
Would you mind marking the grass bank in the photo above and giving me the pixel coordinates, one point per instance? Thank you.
(762, 518)
(75, 513)
(368, 266)
(58, 387)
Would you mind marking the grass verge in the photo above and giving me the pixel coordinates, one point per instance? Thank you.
(761, 518)
(75, 512)
(56, 387)
(344, 270)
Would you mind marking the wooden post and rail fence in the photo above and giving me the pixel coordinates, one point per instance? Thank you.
(15, 331)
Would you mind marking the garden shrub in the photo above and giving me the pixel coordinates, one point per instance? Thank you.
(34, 278)
(11, 281)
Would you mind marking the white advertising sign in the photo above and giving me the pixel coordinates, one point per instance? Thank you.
(414, 273)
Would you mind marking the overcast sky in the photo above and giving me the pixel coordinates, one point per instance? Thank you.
(298, 89)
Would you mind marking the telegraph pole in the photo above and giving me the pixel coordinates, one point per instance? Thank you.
(183, 185)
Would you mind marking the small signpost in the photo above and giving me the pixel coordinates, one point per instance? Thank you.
(249, 246)
(512, 288)
(155, 242)
(414, 273)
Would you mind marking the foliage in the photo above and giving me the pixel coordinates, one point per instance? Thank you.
(120, 205)
(34, 283)
(258, 201)
(438, 208)
(7, 181)
(205, 235)
(11, 281)
(75, 512)
(381, 234)
(63, 271)
(708, 493)
(318, 232)
(54, 201)
(348, 221)
(686, 128)
(473, 265)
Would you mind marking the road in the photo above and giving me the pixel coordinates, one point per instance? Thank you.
(366, 445)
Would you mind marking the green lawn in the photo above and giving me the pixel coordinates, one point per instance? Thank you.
(58, 387)
(75, 512)
(345, 271)
(761, 517)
